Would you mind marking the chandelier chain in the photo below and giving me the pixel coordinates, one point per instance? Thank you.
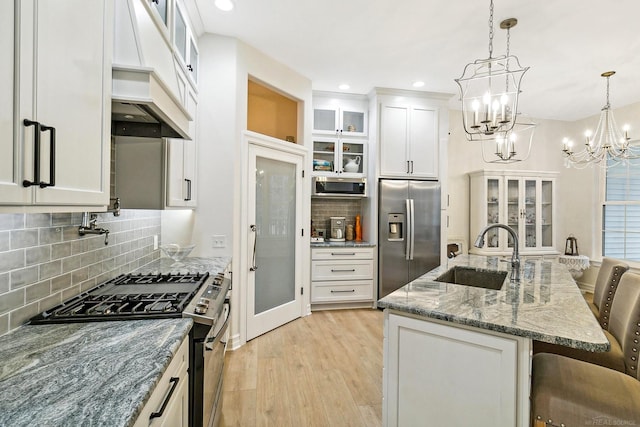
(491, 29)
(607, 105)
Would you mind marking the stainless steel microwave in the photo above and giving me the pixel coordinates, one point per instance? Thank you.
(329, 186)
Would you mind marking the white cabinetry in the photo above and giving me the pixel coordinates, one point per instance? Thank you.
(409, 139)
(181, 163)
(453, 375)
(339, 134)
(341, 275)
(184, 41)
(54, 139)
(338, 114)
(168, 405)
(181, 166)
(524, 200)
(331, 155)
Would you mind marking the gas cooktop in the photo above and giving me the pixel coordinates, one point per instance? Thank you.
(129, 296)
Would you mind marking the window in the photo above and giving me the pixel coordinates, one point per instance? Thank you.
(621, 213)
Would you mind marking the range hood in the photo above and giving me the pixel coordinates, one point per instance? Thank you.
(142, 106)
(147, 100)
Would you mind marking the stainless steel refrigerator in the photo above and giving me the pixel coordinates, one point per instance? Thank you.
(408, 231)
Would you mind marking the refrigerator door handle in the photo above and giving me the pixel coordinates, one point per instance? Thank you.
(407, 254)
(413, 228)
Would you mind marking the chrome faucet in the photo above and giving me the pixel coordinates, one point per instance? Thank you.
(88, 226)
(515, 257)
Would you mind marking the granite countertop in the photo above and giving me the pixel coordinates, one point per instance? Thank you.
(546, 305)
(97, 373)
(164, 265)
(349, 244)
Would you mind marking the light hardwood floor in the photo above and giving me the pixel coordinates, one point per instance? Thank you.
(320, 370)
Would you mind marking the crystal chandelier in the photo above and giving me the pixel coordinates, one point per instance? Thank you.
(522, 132)
(608, 146)
(489, 90)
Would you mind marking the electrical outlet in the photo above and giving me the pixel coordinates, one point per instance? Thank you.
(219, 241)
(155, 242)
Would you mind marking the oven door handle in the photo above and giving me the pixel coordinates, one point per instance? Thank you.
(210, 341)
(174, 381)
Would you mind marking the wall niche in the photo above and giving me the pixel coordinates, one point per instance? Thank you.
(271, 113)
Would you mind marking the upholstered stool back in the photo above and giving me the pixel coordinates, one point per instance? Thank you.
(606, 285)
(625, 321)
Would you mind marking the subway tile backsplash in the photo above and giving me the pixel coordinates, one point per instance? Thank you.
(323, 209)
(43, 259)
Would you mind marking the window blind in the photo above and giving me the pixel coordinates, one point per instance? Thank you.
(621, 213)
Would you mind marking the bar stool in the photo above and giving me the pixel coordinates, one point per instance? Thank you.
(623, 333)
(611, 270)
(566, 392)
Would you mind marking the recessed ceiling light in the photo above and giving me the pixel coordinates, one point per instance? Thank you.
(224, 5)
(418, 83)
(344, 86)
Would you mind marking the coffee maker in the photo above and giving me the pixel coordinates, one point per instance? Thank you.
(337, 229)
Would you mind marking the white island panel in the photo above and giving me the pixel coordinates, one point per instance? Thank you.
(447, 375)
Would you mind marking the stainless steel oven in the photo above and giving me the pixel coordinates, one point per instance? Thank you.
(214, 347)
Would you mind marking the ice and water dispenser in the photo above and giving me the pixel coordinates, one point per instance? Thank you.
(395, 227)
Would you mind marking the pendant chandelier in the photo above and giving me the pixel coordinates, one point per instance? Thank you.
(607, 146)
(507, 147)
(489, 90)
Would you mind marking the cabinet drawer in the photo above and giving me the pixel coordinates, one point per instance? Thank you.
(341, 270)
(342, 253)
(355, 290)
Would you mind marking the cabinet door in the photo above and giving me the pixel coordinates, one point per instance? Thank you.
(325, 120)
(11, 189)
(547, 188)
(72, 94)
(423, 152)
(353, 122)
(394, 135)
(325, 161)
(530, 214)
(353, 157)
(176, 184)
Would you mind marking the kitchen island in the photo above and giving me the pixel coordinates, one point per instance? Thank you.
(459, 355)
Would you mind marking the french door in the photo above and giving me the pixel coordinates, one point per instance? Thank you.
(275, 221)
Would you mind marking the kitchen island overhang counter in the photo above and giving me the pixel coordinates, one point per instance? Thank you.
(546, 305)
(461, 355)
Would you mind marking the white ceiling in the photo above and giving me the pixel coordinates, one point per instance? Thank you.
(391, 43)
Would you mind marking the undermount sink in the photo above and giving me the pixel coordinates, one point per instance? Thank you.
(487, 279)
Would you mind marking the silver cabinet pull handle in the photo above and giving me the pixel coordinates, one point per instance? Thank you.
(350, 253)
(254, 267)
(338, 271)
(343, 292)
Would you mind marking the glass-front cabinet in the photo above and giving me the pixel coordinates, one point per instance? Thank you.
(523, 200)
(333, 156)
(339, 134)
(339, 115)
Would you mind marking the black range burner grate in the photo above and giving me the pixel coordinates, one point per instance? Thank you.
(129, 296)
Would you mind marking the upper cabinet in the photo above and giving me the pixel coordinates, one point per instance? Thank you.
(523, 200)
(55, 95)
(413, 134)
(339, 134)
(185, 45)
(339, 114)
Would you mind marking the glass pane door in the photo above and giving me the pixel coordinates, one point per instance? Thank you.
(514, 212)
(530, 213)
(493, 211)
(275, 233)
(274, 215)
(546, 212)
